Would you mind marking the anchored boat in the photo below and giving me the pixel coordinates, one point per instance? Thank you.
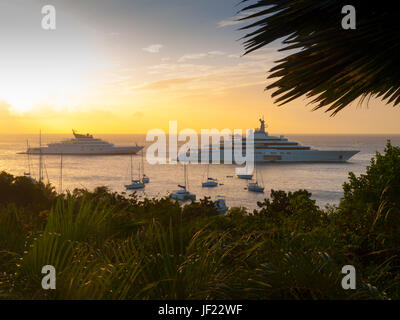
(268, 148)
(135, 184)
(183, 194)
(83, 144)
(210, 182)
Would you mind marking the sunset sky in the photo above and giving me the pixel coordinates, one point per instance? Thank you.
(128, 66)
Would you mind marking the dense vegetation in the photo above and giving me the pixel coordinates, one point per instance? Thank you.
(108, 246)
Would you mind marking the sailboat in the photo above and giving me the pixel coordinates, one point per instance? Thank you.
(256, 186)
(135, 184)
(183, 194)
(220, 205)
(145, 179)
(210, 182)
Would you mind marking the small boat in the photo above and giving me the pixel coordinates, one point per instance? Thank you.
(254, 187)
(135, 184)
(183, 194)
(220, 205)
(210, 182)
(245, 176)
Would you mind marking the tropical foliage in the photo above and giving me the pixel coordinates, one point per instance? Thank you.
(328, 64)
(108, 246)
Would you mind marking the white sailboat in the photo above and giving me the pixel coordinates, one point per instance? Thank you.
(256, 186)
(135, 184)
(183, 194)
(210, 182)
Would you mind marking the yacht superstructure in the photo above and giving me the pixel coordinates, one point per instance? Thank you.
(84, 145)
(275, 149)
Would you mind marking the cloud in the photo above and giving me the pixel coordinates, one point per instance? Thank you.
(165, 84)
(192, 56)
(216, 53)
(226, 23)
(154, 48)
(234, 20)
(234, 56)
(195, 56)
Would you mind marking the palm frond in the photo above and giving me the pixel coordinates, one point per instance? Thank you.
(331, 66)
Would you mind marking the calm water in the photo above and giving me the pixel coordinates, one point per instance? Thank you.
(323, 180)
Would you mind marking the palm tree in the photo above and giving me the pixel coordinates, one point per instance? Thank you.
(330, 65)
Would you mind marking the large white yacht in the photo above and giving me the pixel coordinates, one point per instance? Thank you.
(84, 144)
(277, 149)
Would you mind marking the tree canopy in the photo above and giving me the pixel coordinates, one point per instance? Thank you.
(330, 65)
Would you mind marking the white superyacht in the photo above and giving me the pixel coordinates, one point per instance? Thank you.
(84, 144)
(275, 149)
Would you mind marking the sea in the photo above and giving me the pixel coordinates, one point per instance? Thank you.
(323, 180)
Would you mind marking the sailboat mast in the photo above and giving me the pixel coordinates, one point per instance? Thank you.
(29, 158)
(131, 167)
(61, 173)
(185, 175)
(142, 164)
(40, 157)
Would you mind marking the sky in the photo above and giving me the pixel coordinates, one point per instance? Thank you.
(129, 66)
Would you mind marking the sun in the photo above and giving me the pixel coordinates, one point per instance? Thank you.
(56, 88)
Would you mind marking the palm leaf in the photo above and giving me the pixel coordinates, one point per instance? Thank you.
(331, 66)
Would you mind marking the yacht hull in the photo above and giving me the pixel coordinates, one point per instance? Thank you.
(85, 152)
(306, 156)
(275, 156)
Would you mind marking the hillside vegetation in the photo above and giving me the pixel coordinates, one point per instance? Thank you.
(108, 246)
